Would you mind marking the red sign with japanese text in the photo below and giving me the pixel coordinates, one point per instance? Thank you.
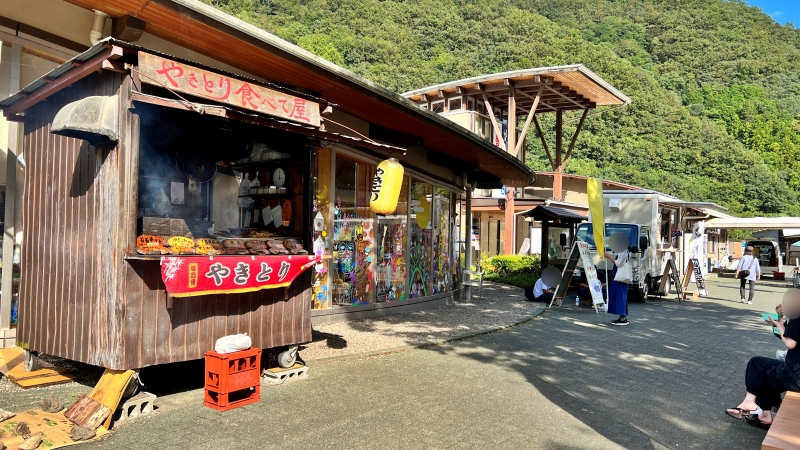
(184, 78)
(195, 275)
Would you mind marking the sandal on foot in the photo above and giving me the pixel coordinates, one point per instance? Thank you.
(755, 421)
(738, 413)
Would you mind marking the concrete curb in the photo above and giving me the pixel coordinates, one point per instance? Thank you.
(433, 343)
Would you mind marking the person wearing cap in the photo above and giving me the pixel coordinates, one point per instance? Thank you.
(749, 264)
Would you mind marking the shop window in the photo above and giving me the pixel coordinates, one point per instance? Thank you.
(353, 230)
(202, 178)
(442, 263)
(420, 277)
(320, 232)
(391, 241)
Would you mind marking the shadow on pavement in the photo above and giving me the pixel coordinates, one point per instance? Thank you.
(665, 380)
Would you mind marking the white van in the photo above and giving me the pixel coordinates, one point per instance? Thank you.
(769, 255)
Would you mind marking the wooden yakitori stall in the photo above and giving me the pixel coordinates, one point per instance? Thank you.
(166, 205)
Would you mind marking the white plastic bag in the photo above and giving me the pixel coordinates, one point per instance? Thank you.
(233, 343)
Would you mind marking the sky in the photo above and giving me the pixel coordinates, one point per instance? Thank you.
(781, 10)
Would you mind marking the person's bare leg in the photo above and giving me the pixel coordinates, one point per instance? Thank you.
(765, 417)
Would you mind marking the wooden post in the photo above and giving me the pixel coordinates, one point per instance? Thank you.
(559, 169)
(10, 232)
(511, 223)
(545, 232)
(467, 294)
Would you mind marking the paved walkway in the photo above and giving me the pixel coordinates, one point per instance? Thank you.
(564, 380)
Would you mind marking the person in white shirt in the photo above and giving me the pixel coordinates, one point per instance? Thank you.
(748, 263)
(539, 292)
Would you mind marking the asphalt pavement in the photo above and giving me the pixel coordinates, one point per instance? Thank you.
(565, 380)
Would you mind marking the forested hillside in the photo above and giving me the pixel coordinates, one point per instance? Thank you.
(715, 84)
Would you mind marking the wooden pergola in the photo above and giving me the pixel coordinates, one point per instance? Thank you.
(508, 97)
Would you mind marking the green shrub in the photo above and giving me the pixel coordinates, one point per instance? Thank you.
(505, 265)
(522, 280)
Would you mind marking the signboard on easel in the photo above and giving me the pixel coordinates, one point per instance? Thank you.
(693, 268)
(595, 286)
(580, 251)
(671, 274)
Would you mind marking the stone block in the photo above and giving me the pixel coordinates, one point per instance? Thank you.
(137, 406)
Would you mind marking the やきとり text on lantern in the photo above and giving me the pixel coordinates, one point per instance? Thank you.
(386, 187)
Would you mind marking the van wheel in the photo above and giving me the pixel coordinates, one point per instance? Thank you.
(644, 291)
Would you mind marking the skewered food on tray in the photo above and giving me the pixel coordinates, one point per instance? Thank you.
(259, 234)
(234, 247)
(257, 247)
(178, 250)
(209, 250)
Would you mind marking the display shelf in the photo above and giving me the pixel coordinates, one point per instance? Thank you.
(136, 256)
(286, 196)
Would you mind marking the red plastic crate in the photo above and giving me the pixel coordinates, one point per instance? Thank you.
(230, 372)
(232, 379)
(229, 400)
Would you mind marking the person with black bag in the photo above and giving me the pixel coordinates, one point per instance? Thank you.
(750, 274)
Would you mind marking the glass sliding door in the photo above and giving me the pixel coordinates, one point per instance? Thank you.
(391, 238)
(320, 232)
(353, 233)
(442, 263)
(420, 283)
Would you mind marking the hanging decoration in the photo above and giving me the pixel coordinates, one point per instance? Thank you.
(386, 187)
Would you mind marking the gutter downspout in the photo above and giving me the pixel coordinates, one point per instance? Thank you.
(97, 26)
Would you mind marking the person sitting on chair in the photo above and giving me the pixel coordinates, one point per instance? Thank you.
(539, 292)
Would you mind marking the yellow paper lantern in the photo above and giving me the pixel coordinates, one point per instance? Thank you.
(386, 187)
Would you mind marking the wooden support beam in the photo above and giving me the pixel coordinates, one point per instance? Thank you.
(70, 77)
(512, 117)
(15, 118)
(541, 98)
(557, 191)
(113, 66)
(510, 218)
(575, 136)
(490, 112)
(559, 137)
(544, 142)
(528, 121)
(556, 88)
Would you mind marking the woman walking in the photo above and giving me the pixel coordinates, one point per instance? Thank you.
(748, 271)
(618, 292)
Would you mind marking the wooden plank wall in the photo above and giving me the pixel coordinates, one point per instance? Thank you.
(69, 264)
(79, 298)
(154, 334)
